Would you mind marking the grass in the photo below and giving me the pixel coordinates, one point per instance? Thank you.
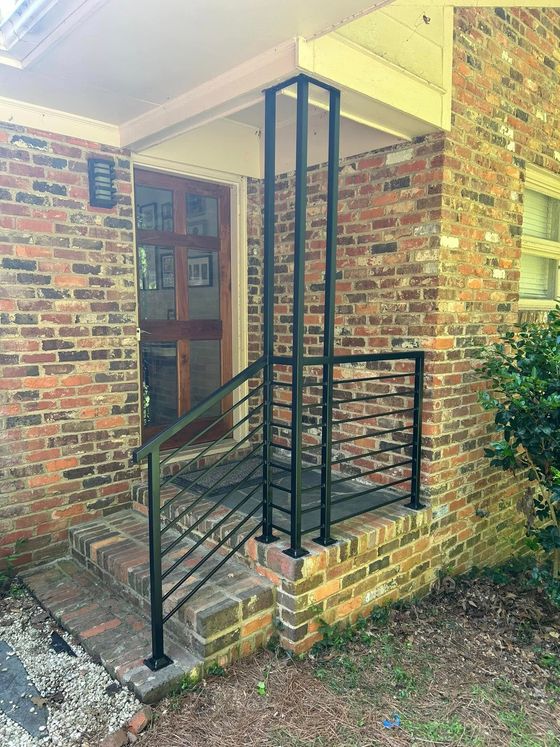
(451, 670)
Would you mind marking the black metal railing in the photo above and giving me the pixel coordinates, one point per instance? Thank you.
(374, 453)
(308, 441)
(171, 523)
(358, 426)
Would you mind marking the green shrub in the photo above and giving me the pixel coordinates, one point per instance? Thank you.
(523, 370)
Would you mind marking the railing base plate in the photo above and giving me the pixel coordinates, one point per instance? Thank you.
(159, 663)
(416, 507)
(267, 540)
(325, 542)
(299, 553)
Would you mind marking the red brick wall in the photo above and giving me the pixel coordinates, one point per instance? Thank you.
(68, 378)
(428, 257)
(429, 244)
(506, 106)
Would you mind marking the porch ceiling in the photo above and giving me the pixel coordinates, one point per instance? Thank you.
(127, 57)
(158, 77)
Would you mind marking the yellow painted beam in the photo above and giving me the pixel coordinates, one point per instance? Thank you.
(338, 61)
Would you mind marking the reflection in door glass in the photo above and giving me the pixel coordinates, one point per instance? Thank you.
(154, 209)
(204, 284)
(156, 282)
(159, 382)
(205, 371)
(202, 215)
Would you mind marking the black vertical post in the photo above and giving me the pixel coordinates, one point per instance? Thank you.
(329, 318)
(158, 659)
(295, 550)
(268, 305)
(417, 431)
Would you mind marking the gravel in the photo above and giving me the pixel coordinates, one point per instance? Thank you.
(83, 703)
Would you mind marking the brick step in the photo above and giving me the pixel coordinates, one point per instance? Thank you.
(109, 628)
(212, 527)
(229, 616)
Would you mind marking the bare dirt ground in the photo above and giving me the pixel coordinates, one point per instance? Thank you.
(475, 664)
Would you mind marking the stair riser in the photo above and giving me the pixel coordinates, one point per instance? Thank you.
(206, 526)
(211, 625)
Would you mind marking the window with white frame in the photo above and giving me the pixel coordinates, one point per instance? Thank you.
(540, 254)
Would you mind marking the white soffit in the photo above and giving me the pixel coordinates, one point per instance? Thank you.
(128, 57)
(235, 144)
(209, 61)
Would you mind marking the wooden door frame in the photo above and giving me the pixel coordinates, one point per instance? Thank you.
(181, 184)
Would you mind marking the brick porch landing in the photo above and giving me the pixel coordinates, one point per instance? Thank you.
(101, 596)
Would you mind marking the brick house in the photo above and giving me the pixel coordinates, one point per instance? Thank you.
(119, 320)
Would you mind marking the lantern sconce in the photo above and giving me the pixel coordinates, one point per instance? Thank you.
(102, 192)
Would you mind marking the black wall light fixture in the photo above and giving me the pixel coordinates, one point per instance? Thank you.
(102, 192)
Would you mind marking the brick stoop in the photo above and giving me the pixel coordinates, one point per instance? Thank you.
(211, 527)
(109, 628)
(230, 616)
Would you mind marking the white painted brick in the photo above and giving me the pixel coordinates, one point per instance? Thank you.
(451, 242)
(398, 156)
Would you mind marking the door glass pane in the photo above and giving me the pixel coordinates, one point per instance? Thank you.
(204, 284)
(159, 382)
(156, 282)
(205, 371)
(154, 209)
(202, 215)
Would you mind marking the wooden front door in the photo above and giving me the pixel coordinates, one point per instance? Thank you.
(183, 243)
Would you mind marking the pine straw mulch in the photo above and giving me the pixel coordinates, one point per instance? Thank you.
(476, 664)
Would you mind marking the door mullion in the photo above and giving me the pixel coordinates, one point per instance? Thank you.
(183, 376)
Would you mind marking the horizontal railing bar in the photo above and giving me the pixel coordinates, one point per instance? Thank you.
(374, 378)
(337, 402)
(282, 509)
(197, 500)
(280, 529)
(208, 533)
(381, 505)
(366, 454)
(276, 424)
(217, 567)
(212, 444)
(287, 405)
(372, 471)
(340, 421)
(337, 360)
(185, 467)
(279, 446)
(377, 470)
(142, 451)
(280, 466)
(287, 384)
(370, 434)
(279, 487)
(371, 490)
(368, 398)
(360, 512)
(311, 466)
(355, 477)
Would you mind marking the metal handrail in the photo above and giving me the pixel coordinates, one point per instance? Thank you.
(198, 411)
(151, 451)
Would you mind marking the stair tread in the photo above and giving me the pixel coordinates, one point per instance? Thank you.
(108, 627)
(116, 548)
(119, 544)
